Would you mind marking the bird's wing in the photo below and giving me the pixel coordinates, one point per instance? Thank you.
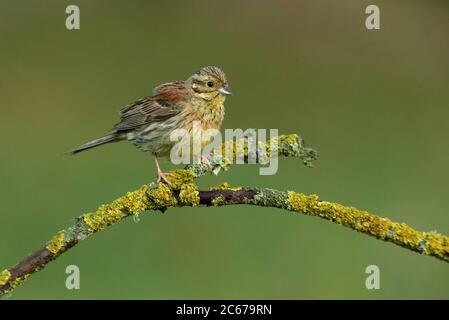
(165, 103)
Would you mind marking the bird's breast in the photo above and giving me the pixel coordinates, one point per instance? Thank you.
(210, 115)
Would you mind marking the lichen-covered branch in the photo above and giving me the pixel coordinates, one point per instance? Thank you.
(184, 192)
(135, 202)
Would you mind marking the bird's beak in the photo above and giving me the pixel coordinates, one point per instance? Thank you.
(225, 90)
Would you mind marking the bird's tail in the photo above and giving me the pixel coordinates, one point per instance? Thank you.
(97, 142)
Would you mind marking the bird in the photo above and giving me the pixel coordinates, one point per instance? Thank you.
(148, 122)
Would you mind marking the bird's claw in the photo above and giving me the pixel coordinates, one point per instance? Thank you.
(162, 177)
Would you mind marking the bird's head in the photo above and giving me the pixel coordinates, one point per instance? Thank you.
(209, 83)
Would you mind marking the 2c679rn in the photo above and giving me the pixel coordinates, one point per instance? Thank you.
(261, 309)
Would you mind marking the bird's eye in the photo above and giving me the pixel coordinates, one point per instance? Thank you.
(210, 84)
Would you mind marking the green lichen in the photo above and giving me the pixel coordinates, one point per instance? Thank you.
(269, 198)
(225, 186)
(56, 243)
(290, 145)
(108, 214)
(218, 201)
(293, 145)
(200, 169)
(4, 277)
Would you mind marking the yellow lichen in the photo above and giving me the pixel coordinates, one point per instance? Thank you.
(161, 197)
(182, 180)
(268, 145)
(56, 243)
(290, 138)
(430, 243)
(108, 214)
(218, 201)
(403, 233)
(4, 277)
(299, 202)
(180, 177)
(437, 244)
(240, 146)
(347, 216)
(230, 149)
(225, 186)
(273, 145)
(189, 195)
(103, 217)
(18, 281)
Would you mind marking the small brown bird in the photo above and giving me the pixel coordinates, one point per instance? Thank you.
(148, 122)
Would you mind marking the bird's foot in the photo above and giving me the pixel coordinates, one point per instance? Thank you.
(162, 177)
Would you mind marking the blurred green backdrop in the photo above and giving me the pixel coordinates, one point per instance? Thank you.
(374, 103)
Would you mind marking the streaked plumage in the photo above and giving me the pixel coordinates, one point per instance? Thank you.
(148, 122)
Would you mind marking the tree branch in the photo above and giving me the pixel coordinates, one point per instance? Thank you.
(184, 192)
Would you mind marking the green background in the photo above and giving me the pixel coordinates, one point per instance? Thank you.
(374, 103)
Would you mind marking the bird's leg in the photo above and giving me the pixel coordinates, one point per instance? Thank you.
(161, 176)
